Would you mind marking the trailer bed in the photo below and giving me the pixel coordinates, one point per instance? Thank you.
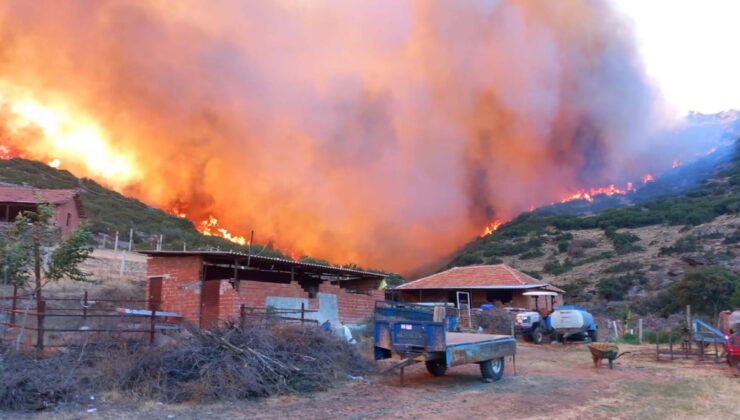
(455, 338)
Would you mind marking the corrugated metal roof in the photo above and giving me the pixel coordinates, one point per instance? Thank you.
(499, 276)
(230, 256)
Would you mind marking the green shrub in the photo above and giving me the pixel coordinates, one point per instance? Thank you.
(623, 267)
(554, 267)
(532, 254)
(623, 241)
(685, 244)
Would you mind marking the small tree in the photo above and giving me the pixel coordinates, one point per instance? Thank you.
(708, 289)
(33, 253)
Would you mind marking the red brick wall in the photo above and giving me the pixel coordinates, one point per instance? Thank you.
(180, 284)
(60, 217)
(181, 293)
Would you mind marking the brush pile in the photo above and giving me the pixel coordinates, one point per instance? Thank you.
(234, 364)
(198, 365)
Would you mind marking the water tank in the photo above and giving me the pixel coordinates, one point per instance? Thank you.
(571, 318)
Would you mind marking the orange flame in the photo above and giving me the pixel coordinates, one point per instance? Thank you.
(210, 227)
(648, 178)
(7, 153)
(589, 194)
(491, 227)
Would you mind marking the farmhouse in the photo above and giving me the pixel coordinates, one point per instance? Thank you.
(68, 210)
(209, 287)
(473, 286)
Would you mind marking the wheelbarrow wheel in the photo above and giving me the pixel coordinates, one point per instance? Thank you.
(436, 367)
(492, 369)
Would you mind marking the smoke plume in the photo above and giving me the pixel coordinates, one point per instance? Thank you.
(385, 133)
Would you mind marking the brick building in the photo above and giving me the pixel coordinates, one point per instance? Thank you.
(68, 210)
(209, 287)
(476, 285)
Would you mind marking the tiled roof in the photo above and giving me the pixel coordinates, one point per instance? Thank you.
(27, 195)
(498, 276)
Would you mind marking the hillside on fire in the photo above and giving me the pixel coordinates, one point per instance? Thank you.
(110, 212)
(627, 252)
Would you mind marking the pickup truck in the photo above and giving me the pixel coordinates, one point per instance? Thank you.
(415, 333)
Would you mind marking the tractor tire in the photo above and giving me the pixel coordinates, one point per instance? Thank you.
(538, 336)
(593, 335)
(492, 369)
(436, 367)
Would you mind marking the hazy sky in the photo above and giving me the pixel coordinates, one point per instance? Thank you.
(690, 49)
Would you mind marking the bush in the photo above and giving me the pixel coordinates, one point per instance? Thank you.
(556, 268)
(615, 288)
(685, 244)
(532, 254)
(623, 267)
(624, 241)
(496, 321)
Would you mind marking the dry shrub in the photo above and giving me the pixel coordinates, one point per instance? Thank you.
(198, 365)
(234, 364)
(494, 321)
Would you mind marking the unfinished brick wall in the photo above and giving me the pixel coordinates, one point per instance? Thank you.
(353, 307)
(180, 284)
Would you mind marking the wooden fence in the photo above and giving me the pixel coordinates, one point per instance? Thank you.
(53, 321)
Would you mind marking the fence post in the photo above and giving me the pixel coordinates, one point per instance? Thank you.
(40, 326)
(14, 305)
(152, 325)
(639, 331)
(84, 308)
(303, 313)
(242, 315)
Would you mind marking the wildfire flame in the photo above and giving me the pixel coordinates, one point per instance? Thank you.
(6, 153)
(210, 227)
(491, 227)
(66, 133)
(648, 178)
(676, 163)
(589, 194)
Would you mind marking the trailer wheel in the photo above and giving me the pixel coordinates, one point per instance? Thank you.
(537, 335)
(436, 367)
(492, 369)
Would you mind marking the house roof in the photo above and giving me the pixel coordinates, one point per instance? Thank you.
(268, 263)
(499, 276)
(27, 195)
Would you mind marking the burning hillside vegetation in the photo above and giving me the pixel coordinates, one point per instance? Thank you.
(384, 133)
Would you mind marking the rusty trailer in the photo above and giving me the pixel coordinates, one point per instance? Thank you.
(414, 333)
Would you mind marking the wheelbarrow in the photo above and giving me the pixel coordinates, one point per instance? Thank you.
(608, 351)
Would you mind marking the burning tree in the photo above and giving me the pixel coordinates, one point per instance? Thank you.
(34, 254)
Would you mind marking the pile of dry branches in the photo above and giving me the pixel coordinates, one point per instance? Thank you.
(234, 364)
(198, 365)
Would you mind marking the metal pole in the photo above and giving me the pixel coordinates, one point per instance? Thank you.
(130, 239)
(639, 329)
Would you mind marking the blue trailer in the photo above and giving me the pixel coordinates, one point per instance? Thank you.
(414, 333)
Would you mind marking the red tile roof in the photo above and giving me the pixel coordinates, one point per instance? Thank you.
(498, 276)
(27, 195)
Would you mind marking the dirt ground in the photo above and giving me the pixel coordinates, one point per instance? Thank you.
(551, 381)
